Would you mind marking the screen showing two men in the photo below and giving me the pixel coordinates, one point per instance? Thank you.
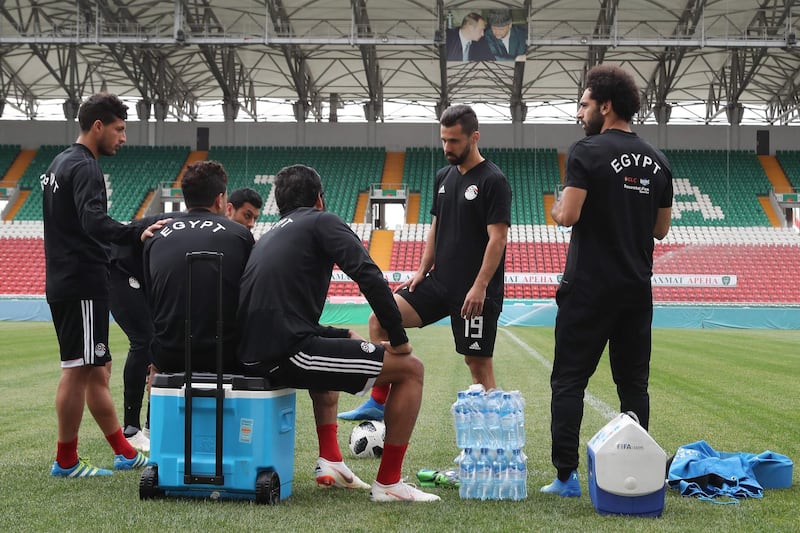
(487, 35)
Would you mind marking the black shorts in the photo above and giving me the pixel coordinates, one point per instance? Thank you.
(475, 336)
(82, 331)
(325, 364)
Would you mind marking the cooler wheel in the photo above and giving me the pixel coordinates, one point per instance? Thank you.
(148, 483)
(268, 488)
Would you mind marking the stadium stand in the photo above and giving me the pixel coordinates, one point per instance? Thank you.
(790, 162)
(130, 175)
(32, 208)
(8, 152)
(718, 188)
(721, 249)
(345, 171)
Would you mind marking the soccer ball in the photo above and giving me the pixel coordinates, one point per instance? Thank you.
(366, 439)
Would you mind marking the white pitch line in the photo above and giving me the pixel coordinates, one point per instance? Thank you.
(597, 404)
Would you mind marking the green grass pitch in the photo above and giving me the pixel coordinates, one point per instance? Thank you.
(737, 389)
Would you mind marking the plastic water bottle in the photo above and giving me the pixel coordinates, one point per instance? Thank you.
(493, 429)
(477, 406)
(500, 480)
(520, 405)
(518, 476)
(461, 419)
(483, 475)
(509, 423)
(467, 488)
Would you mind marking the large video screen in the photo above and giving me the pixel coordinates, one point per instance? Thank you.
(487, 35)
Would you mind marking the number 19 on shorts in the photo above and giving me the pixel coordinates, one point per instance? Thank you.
(473, 328)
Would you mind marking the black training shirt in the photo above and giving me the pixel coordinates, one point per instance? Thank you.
(464, 206)
(286, 281)
(611, 246)
(77, 228)
(165, 280)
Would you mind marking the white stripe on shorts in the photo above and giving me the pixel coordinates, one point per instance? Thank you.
(321, 363)
(87, 319)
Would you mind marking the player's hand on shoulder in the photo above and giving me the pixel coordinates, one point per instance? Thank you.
(153, 228)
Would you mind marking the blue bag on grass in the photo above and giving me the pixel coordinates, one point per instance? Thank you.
(700, 471)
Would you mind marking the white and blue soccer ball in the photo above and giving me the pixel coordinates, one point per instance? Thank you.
(366, 439)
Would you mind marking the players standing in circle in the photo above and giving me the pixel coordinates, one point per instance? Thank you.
(283, 291)
(77, 237)
(461, 272)
(617, 197)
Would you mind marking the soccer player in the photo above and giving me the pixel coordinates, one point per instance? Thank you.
(203, 228)
(617, 198)
(128, 305)
(244, 206)
(283, 291)
(77, 237)
(461, 272)
(131, 311)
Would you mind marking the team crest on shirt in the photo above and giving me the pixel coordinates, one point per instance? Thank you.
(99, 349)
(134, 283)
(471, 193)
(367, 347)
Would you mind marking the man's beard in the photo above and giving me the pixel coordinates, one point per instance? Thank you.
(594, 126)
(459, 159)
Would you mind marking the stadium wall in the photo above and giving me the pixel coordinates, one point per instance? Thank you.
(394, 137)
(517, 313)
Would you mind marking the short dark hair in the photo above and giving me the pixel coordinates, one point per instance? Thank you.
(499, 17)
(608, 83)
(471, 19)
(460, 114)
(105, 107)
(245, 195)
(202, 182)
(296, 186)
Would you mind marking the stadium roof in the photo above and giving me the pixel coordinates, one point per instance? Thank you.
(319, 60)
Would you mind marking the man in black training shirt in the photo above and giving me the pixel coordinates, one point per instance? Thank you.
(617, 197)
(283, 291)
(461, 272)
(131, 311)
(203, 228)
(77, 237)
(128, 305)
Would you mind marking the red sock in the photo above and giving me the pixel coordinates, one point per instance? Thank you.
(391, 463)
(380, 393)
(67, 454)
(328, 443)
(120, 444)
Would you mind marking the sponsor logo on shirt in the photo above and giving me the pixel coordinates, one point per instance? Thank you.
(471, 193)
(642, 186)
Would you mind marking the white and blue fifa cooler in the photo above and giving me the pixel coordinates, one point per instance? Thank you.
(258, 435)
(627, 470)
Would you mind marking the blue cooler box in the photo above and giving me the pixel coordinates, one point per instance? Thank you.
(257, 445)
(627, 470)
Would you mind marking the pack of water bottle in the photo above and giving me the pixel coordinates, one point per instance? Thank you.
(490, 431)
